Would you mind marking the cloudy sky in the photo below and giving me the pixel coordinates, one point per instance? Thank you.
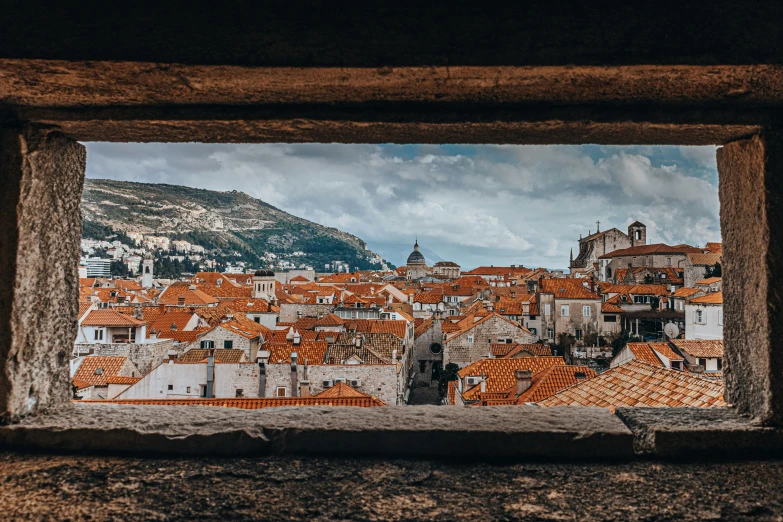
(470, 204)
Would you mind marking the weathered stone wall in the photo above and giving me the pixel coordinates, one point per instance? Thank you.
(459, 350)
(288, 311)
(220, 335)
(422, 353)
(751, 214)
(378, 380)
(145, 356)
(41, 174)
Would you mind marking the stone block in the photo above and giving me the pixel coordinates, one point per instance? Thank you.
(498, 433)
(751, 198)
(41, 174)
(700, 433)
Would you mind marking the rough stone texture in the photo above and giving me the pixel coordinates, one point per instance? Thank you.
(42, 175)
(694, 433)
(59, 487)
(145, 356)
(514, 432)
(751, 196)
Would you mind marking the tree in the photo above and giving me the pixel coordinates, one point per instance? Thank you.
(565, 342)
(448, 374)
(618, 341)
(713, 271)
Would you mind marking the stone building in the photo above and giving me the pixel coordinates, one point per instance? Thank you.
(427, 356)
(658, 255)
(416, 265)
(245, 335)
(446, 269)
(695, 266)
(566, 306)
(472, 341)
(593, 246)
(147, 271)
(264, 285)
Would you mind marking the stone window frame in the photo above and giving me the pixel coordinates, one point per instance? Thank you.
(36, 137)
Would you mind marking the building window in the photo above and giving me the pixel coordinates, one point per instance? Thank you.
(533, 331)
(586, 311)
(98, 335)
(207, 344)
(578, 333)
(720, 364)
(171, 387)
(610, 318)
(435, 348)
(240, 392)
(563, 310)
(280, 391)
(228, 344)
(470, 339)
(699, 317)
(187, 390)
(702, 362)
(676, 365)
(668, 261)
(547, 310)
(550, 333)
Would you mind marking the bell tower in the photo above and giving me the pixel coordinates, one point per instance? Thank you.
(147, 271)
(637, 233)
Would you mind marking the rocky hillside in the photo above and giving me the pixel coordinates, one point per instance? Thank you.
(225, 223)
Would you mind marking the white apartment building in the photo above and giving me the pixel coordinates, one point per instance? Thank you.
(704, 317)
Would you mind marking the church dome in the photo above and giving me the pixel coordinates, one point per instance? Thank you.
(416, 257)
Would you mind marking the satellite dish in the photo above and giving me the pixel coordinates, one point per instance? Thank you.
(671, 330)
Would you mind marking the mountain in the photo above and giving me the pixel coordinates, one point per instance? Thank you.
(224, 223)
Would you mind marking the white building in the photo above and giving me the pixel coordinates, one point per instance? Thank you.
(97, 267)
(110, 327)
(704, 317)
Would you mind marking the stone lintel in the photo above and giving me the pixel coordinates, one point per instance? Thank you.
(498, 433)
(701, 433)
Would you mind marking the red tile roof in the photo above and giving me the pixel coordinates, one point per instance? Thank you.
(566, 289)
(223, 355)
(701, 348)
(95, 369)
(340, 390)
(110, 318)
(644, 353)
(712, 298)
(657, 248)
(638, 384)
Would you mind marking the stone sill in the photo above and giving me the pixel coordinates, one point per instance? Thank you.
(497, 433)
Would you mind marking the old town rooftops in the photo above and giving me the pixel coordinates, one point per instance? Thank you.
(654, 249)
(636, 383)
(222, 355)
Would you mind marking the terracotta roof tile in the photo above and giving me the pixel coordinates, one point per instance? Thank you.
(313, 352)
(657, 248)
(638, 384)
(566, 289)
(643, 352)
(197, 355)
(711, 298)
(340, 390)
(95, 369)
(110, 318)
(701, 348)
(500, 372)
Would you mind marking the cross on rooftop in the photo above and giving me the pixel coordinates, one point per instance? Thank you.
(598, 226)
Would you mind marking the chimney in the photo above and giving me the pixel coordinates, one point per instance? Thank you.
(696, 368)
(394, 356)
(172, 355)
(262, 358)
(297, 339)
(524, 378)
(304, 388)
(483, 385)
(173, 327)
(211, 374)
(294, 378)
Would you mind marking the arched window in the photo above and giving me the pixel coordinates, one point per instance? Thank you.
(435, 348)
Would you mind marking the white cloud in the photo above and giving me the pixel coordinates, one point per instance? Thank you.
(471, 204)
